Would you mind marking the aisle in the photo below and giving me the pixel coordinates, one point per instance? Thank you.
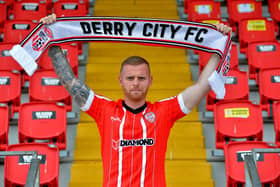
(186, 163)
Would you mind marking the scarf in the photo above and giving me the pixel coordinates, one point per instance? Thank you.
(169, 33)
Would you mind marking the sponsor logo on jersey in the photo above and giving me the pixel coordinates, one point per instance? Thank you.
(132, 143)
(150, 117)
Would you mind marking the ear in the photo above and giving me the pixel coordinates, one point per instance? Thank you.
(120, 80)
(151, 80)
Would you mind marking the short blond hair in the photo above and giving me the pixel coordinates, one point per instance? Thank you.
(135, 60)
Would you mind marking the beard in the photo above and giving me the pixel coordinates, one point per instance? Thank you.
(136, 94)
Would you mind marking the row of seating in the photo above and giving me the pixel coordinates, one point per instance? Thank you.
(237, 10)
(34, 10)
(238, 122)
(42, 121)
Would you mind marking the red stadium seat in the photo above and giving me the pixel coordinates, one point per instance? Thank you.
(42, 122)
(237, 120)
(274, 9)
(32, 10)
(16, 167)
(70, 50)
(45, 86)
(3, 13)
(16, 30)
(237, 88)
(267, 164)
(269, 88)
(10, 89)
(256, 30)
(70, 8)
(262, 55)
(204, 58)
(276, 119)
(4, 126)
(7, 61)
(243, 9)
(203, 10)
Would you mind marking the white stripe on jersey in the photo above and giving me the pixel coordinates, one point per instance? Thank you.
(182, 104)
(144, 152)
(120, 150)
(88, 102)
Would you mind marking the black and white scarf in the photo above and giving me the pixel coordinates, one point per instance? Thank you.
(198, 36)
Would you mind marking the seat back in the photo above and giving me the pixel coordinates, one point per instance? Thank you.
(44, 85)
(49, 165)
(42, 122)
(236, 121)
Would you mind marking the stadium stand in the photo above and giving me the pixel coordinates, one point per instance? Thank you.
(16, 30)
(7, 61)
(4, 126)
(42, 122)
(16, 167)
(262, 55)
(191, 149)
(237, 88)
(269, 87)
(72, 53)
(255, 30)
(237, 120)
(29, 10)
(10, 89)
(267, 164)
(203, 10)
(44, 85)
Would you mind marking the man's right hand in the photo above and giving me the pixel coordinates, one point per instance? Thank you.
(48, 19)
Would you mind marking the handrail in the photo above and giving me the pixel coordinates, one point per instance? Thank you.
(251, 172)
(33, 177)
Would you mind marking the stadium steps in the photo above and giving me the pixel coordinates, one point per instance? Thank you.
(186, 163)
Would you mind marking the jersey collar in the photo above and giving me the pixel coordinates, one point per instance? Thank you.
(134, 111)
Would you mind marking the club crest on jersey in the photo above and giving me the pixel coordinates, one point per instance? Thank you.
(40, 39)
(150, 117)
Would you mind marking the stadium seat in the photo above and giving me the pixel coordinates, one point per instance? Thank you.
(204, 58)
(276, 119)
(243, 9)
(236, 121)
(255, 30)
(70, 8)
(4, 126)
(269, 88)
(7, 61)
(274, 9)
(203, 10)
(70, 50)
(237, 88)
(44, 85)
(16, 30)
(267, 164)
(16, 167)
(10, 89)
(32, 10)
(42, 122)
(262, 55)
(3, 13)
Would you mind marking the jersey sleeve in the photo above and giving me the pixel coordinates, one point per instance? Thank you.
(173, 108)
(96, 105)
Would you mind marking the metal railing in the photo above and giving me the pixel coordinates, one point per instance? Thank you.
(252, 177)
(33, 177)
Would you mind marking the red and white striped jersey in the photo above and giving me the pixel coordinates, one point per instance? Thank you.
(134, 141)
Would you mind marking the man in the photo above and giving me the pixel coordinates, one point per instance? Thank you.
(134, 132)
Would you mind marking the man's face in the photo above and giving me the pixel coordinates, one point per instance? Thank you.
(135, 81)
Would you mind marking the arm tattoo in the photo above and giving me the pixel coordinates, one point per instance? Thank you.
(77, 89)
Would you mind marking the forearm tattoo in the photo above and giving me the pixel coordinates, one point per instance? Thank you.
(77, 89)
